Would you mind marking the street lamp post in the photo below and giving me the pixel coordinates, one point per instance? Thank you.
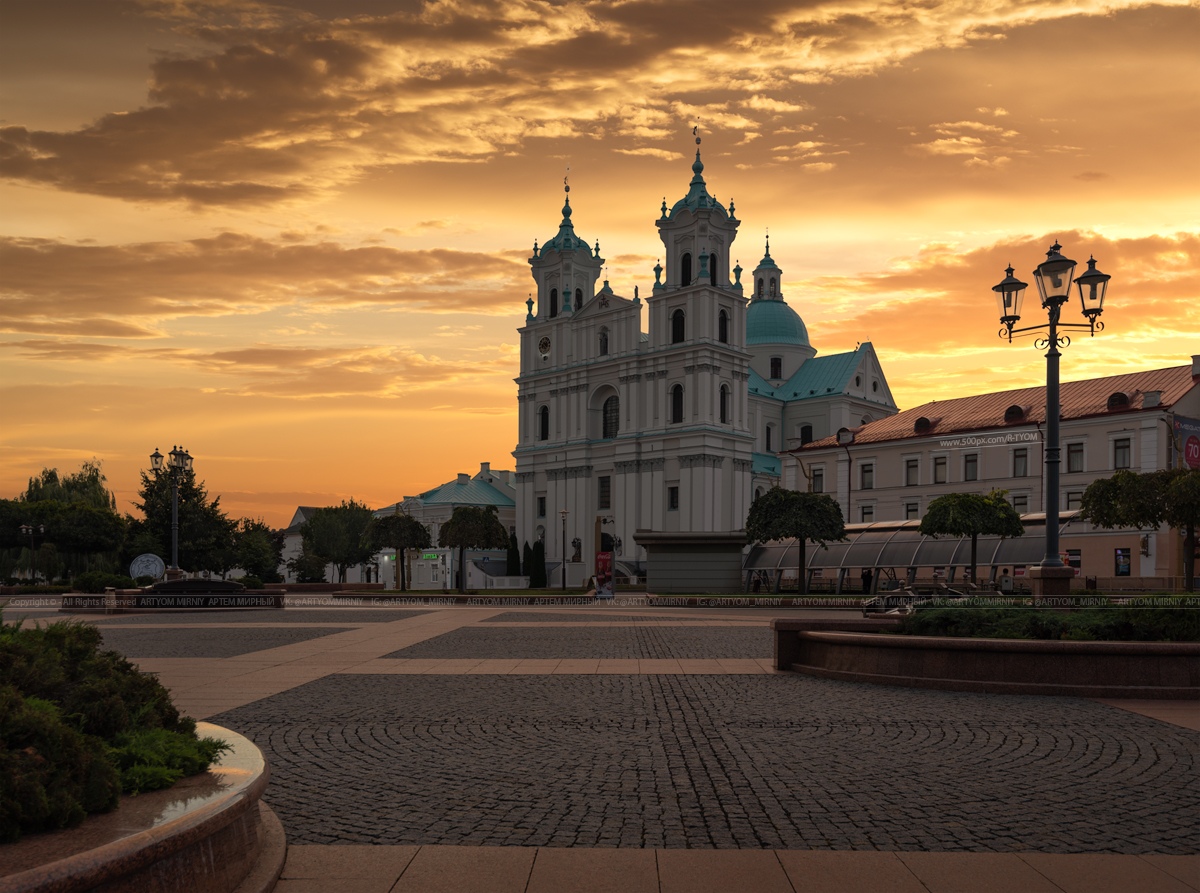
(564, 514)
(1053, 277)
(178, 461)
(29, 530)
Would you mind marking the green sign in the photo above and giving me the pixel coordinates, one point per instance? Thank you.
(430, 556)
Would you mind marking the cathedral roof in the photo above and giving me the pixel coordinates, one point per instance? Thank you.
(774, 322)
(817, 377)
(697, 197)
(566, 240)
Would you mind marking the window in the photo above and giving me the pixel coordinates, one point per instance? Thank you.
(912, 511)
(757, 492)
(712, 269)
(1020, 463)
(604, 492)
(1074, 499)
(1074, 457)
(776, 367)
(939, 469)
(578, 298)
(612, 417)
(806, 435)
(723, 327)
(772, 286)
(971, 467)
(1122, 562)
(685, 269)
(541, 506)
(912, 472)
(672, 499)
(677, 404)
(724, 408)
(866, 514)
(677, 327)
(1020, 502)
(1074, 558)
(758, 289)
(767, 438)
(818, 480)
(867, 476)
(604, 342)
(544, 423)
(1121, 457)
(553, 302)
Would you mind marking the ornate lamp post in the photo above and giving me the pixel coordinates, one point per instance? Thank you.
(1053, 277)
(178, 461)
(29, 530)
(564, 514)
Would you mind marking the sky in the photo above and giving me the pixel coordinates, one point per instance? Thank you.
(293, 237)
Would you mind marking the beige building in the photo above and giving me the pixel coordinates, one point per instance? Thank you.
(888, 471)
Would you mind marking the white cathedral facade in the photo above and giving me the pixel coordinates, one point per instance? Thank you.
(677, 428)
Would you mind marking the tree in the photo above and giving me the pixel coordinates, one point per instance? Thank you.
(782, 514)
(1145, 501)
(338, 534)
(537, 573)
(401, 532)
(307, 567)
(513, 562)
(205, 533)
(527, 562)
(258, 550)
(970, 514)
(472, 527)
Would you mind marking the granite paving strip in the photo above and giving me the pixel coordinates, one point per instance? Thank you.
(1179, 713)
(978, 873)
(1085, 872)
(816, 871)
(721, 871)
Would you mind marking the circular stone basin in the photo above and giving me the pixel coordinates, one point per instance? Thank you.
(205, 834)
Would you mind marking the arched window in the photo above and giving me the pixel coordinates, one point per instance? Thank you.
(578, 298)
(772, 286)
(723, 327)
(724, 404)
(612, 417)
(604, 342)
(757, 492)
(712, 268)
(685, 269)
(544, 423)
(805, 434)
(767, 438)
(677, 327)
(677, 404)
(776, 367)
(758, 289)
(553, 302)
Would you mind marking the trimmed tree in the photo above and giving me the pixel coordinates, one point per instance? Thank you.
(337, 534)
(784, 514)
(513, 559)
(1145, 501)
(401, 532)
(472, 527)
(971, 514)
(537, 575)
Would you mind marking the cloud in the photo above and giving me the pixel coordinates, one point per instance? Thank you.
(130, 291)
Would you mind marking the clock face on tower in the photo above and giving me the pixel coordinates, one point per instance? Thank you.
(544, 345)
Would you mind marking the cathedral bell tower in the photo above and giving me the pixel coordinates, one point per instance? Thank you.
(565, 269)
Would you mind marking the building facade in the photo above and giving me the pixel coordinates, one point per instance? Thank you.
(673, 429)
(889, 470)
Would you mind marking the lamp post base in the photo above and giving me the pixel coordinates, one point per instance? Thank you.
(174, 573)
(1051, 580)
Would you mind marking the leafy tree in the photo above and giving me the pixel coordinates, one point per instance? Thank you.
(307, 567)
(401, 532)
(338, 535)
(513, 561)
(258, 550)
(1146, 501)
(205, 533)
(472, 527)
(970, 514)
(782, 514)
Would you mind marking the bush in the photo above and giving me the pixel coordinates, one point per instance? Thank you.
(82, 724)
(98, 581)
(250, 582)
(1094, 624)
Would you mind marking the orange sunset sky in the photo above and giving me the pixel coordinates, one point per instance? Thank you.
(293, 236)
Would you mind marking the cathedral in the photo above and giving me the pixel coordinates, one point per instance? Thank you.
(675, 428)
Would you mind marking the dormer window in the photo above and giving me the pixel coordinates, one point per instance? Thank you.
(1117, 401)
(1014, 413)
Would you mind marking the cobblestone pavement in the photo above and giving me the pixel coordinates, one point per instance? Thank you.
(609, 643)
(786, 761)
(208, 642)
(287, 615)
(548, 617)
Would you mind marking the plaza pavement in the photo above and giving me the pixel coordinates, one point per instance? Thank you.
(629, 748)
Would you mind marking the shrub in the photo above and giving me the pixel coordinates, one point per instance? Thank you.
(1094, 624)
(250, 582)
(81, 724)
(98, 581)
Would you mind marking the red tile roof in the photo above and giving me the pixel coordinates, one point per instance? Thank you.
(1079, 399)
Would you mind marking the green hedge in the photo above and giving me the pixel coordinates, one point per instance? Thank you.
(98, 581)
(1094, 624)
(79, 725)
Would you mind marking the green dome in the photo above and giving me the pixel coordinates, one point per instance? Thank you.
(774, 322)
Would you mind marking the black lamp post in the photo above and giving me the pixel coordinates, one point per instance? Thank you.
(30, 530)
(178, 461)
(1053, 277)
(564, 514)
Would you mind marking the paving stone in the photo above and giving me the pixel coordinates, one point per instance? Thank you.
(208, 642)
(609, 643)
